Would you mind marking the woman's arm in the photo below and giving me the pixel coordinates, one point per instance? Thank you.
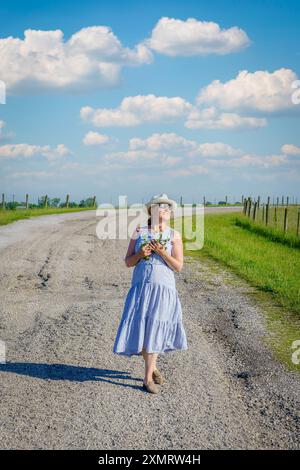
(175, 260)
(132, 258)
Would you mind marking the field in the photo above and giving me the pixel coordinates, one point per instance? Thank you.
(268, 263)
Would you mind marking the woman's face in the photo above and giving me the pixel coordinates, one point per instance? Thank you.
(159, 214)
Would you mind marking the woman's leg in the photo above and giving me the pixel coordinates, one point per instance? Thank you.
(154, 359)
(150, 361)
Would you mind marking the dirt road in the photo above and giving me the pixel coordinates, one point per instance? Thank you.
(61, 298)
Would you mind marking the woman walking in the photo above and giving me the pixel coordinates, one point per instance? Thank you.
(151, 322)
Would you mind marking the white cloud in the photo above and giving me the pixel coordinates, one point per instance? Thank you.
(248, 160)
(135, 110)
(211, 118)
(28, 151)
(191, 37)
(290, 149)
(187, 171)
(94, 138)
(32, 174)
(260, 91)
(131, 155)
(216, 149)
(165, 141)
(176, 143)
(91, 58)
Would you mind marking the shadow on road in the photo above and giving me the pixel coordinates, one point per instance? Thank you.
(68, 372)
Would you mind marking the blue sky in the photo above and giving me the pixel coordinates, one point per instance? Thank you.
(64, 129)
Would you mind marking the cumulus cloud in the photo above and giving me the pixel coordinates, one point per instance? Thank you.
(135, 110)
(187, 171)
(290, 149)
(248, 160)
(94, 138)
(131, 155)
(261, 91)
(165, 141)
(32, 174)
(174, 37)
(211, 118)
(91, 58)
(10, 151)
(176, 143)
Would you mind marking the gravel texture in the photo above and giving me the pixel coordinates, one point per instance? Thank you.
(61, 298)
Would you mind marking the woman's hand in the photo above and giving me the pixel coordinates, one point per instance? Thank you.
(145, 250)
(158, 247)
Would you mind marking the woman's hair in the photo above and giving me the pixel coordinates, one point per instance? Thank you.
(149, 216)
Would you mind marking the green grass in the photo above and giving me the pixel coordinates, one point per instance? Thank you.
(272, 267)
(274, 230)
(272, 233)
(9, 216)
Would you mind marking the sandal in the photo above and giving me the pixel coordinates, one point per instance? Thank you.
(157, 377)
(151, 387)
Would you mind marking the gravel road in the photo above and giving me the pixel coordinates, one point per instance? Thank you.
(61, 298)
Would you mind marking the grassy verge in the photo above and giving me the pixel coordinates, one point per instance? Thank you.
(271, 232)
(8, 216)
(269, 266)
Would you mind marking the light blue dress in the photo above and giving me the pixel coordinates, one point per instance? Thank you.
(152, 314)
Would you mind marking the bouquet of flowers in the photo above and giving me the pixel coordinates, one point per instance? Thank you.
(147, 239)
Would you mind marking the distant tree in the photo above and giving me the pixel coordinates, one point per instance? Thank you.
(41, 201)
(54, 202)
(12, 205)
(87, 202)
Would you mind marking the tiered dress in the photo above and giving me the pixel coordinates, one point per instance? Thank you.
(152, 314)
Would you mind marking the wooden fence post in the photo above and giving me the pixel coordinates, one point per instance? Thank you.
(267, 214)
(26, 203)
(285, 219)
(67, 200)
(94, 201)
(249, 208)
(46, 201)
(254, 210)
(3, 201)
(298, 222)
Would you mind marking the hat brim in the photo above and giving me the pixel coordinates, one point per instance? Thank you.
(172, 203)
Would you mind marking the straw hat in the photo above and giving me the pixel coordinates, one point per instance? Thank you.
(157, 198)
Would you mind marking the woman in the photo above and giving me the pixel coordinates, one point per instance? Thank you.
(151, 322)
